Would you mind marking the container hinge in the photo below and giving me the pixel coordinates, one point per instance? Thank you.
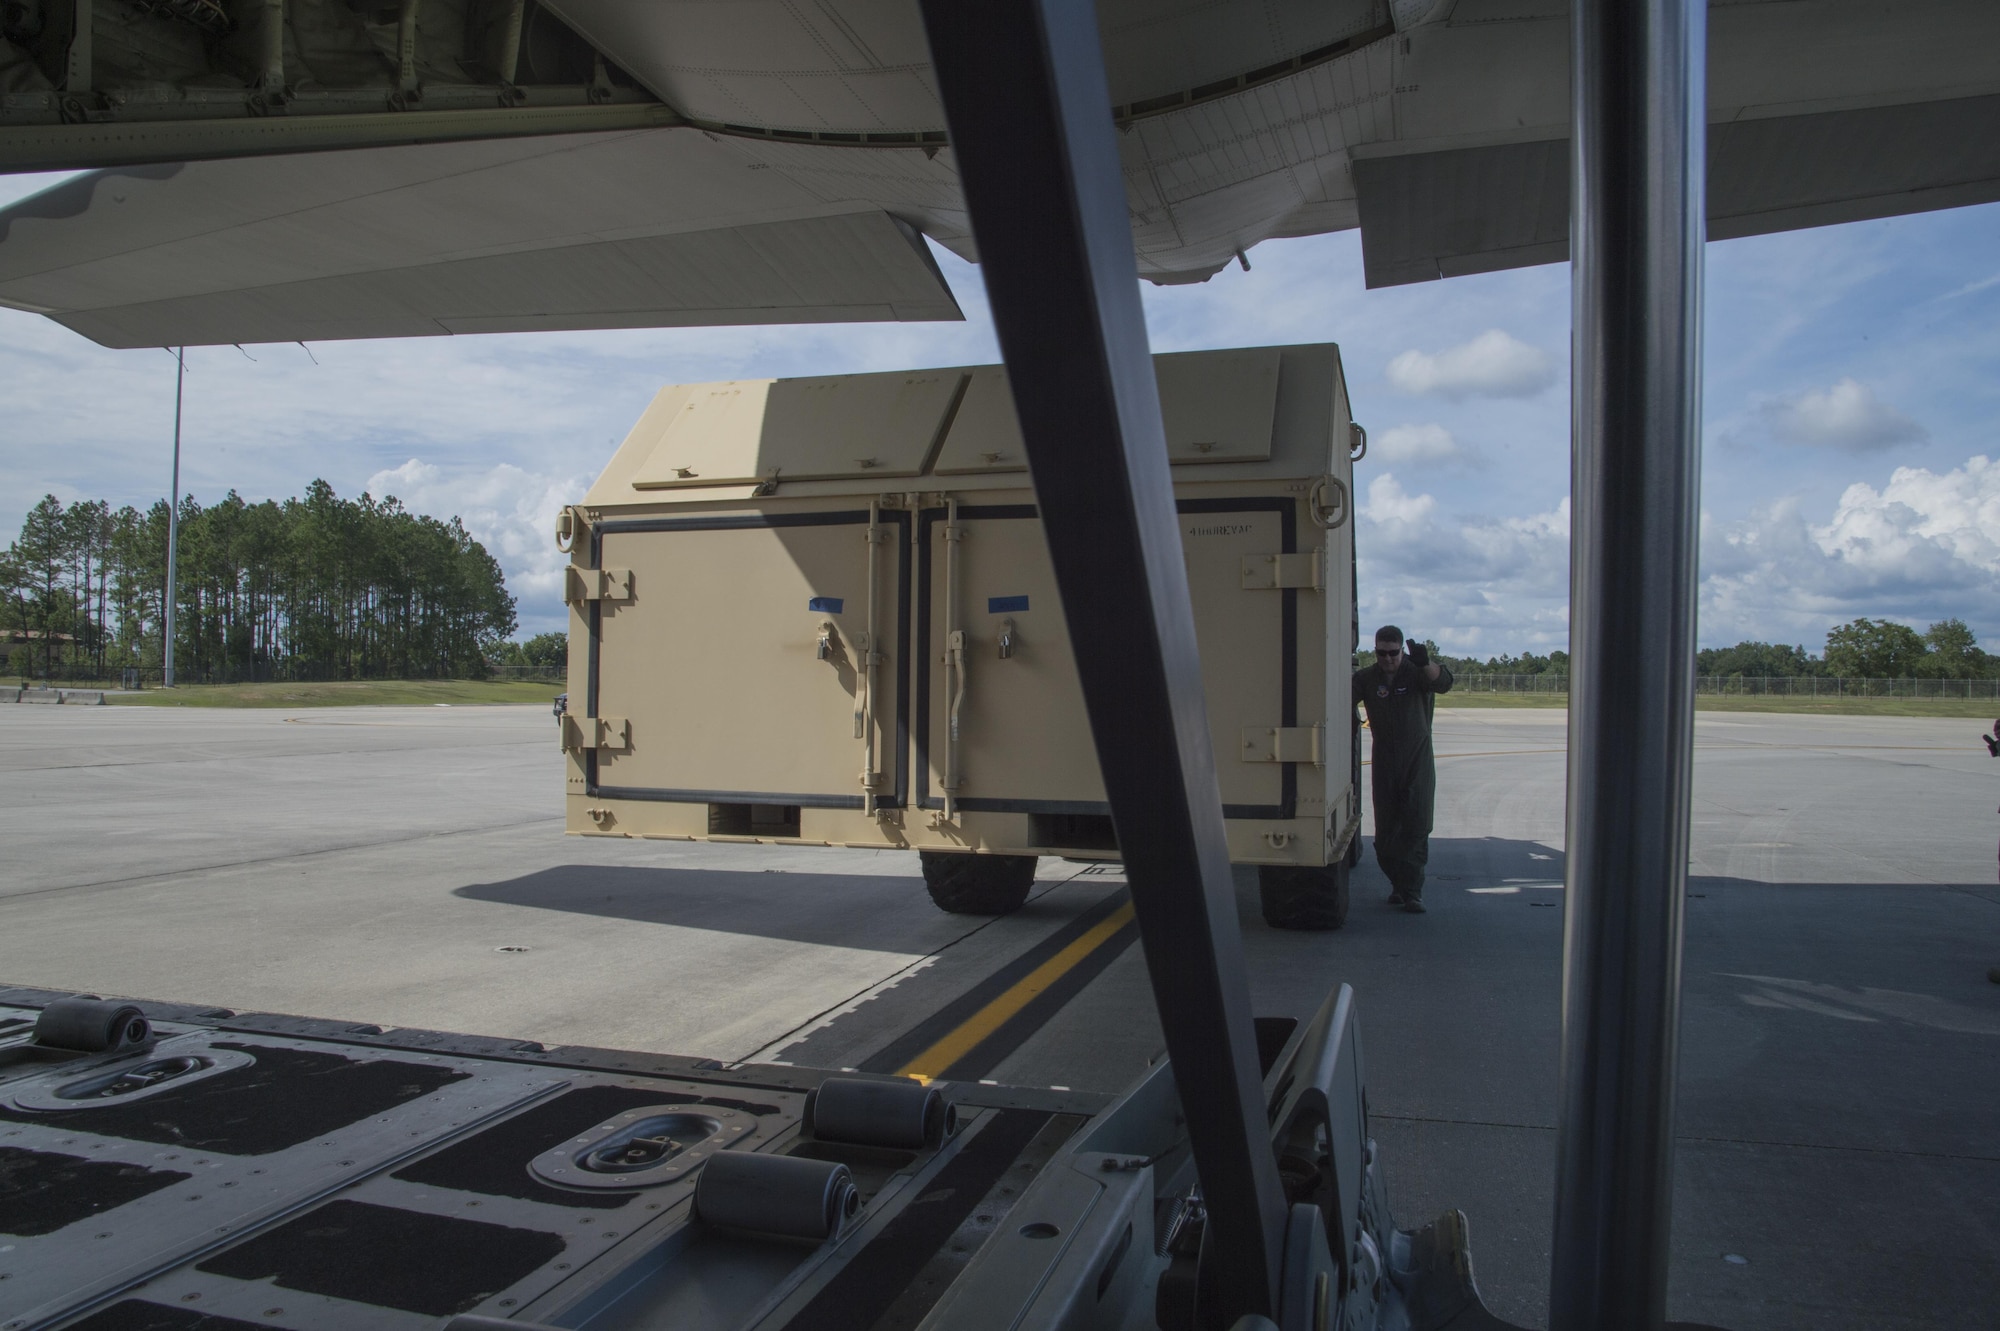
(596, 732)
(1282, 744)
(1271, 572)
(596, 584)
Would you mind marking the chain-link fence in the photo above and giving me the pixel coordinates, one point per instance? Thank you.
(1799, 686)
(69, 674)
(1509, 683)
(554, 674)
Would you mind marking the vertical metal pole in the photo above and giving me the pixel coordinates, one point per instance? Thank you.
(406, 49)
(273, 35)
(78, 65)
(510, 42)
(1028, 108)
(173, 523)
(1636, 249)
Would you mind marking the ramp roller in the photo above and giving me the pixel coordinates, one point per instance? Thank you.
(91, 1025)
(778, 1196)
(903, 1114)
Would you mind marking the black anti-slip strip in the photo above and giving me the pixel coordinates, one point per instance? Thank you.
(287, 1096)
(139, 1315)
(988, 1054)
(421, 1263)
(876, 1277)
(44, 1191)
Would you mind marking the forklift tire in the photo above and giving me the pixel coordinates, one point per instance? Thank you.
(1299, 896)
(977, 884)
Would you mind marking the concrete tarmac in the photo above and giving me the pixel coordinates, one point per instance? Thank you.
(1840, 1080)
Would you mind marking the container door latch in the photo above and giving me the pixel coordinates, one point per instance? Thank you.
(1282, 744)
(596, 584)
(611, 733)
(1273, 572)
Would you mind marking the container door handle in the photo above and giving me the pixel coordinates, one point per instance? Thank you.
(954, 656)
(864, 711)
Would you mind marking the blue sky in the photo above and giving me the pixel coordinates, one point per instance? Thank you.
(1851, 459)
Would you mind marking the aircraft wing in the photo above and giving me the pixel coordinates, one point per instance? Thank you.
(1820, 111)
(764, 161)
(606, 231)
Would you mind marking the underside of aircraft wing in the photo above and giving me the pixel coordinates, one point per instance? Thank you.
(615, 232)
(763, 161)
(1819, 112)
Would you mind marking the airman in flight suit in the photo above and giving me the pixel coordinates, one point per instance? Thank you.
(1399, 694)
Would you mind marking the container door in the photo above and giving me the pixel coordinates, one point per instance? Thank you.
(739, 661)
(997, 654)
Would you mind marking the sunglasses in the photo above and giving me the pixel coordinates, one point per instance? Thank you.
(1388, 651)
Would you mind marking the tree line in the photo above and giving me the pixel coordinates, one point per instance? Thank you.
(1859, 649)
(543, 654)
(1873, 649)
(316, 587)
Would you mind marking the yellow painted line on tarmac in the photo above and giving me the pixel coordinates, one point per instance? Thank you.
(983, 1023)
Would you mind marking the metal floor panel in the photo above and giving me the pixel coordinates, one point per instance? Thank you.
(212, 1196)
(321, 1176)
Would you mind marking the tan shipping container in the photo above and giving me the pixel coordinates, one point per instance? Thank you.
(821, 612)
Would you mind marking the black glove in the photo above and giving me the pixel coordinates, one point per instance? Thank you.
(1418, 654)
(1993, 742)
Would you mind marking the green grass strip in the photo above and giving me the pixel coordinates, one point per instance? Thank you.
(1985, 709)
(349, 693)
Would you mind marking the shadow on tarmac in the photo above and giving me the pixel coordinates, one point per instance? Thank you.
(1839, 1080)
(1838, 1070)
(835, 909)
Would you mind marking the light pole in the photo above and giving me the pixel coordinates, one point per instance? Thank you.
(173, 522)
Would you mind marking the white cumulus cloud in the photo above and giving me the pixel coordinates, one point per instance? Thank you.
(1923, 547)
(1847, 416)
(509, 510)
(1418, 444)
(1477, 585)
(1494, 364)
(1918, 546)
(1399, 513)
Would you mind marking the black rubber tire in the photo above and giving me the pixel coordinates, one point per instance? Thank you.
(1353, 857)
(1298, 896)
(977, 884)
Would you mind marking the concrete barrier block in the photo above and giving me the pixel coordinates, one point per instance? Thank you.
(41, 695)
(82, 697)
(10, 694)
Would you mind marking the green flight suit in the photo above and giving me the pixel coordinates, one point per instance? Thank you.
(1399, 707)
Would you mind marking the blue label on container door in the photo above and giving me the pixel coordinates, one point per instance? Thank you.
(825, 605)
(1006, 605)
